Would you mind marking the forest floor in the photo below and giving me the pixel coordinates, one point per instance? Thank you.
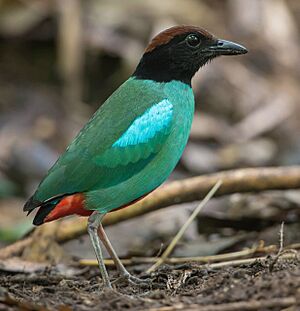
(247, 114)
(261, 285)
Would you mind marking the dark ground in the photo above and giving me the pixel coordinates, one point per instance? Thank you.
(184, 287)
(247, 115)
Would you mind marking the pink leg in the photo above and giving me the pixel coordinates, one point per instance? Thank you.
(104, 239)
(120, 267)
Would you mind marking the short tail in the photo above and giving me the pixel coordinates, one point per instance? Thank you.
(58, 207)
(31, 204)
(45, 208)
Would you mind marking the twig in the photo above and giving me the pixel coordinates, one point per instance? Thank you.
(281, 232)
(14, 249)
(188, 190)
(281, 251)
(182, 230)
(250, 305)
(200, 259)
(293, 246)
(70, 51)
(192, 189)
(239, 262)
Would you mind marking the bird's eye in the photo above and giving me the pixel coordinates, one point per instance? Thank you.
(193, 40)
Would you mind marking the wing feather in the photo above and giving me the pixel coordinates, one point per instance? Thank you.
(117, 143)
(143, 137)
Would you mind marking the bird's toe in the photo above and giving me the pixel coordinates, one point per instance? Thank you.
(133, 280)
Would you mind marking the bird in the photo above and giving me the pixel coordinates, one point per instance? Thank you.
(133, 141)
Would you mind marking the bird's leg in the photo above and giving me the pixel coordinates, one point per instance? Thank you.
(103, 237)
(120, 267)
(94, 222)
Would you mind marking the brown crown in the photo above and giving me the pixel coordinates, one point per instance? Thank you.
(167, 35)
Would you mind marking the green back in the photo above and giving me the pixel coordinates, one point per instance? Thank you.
(91, 164)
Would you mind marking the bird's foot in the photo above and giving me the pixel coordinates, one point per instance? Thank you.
(133, 280)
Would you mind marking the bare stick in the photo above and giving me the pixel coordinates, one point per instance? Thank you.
(14, 249)
(279, 253)
(260, 249)
(192, 189)
(182, 230)
(282, 251)
(249, 305)
(70, 51)
(188, 190)
(239, 262)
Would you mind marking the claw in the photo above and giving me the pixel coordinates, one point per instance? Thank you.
(133, 280)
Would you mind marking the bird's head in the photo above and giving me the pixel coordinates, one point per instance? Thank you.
(177, 53)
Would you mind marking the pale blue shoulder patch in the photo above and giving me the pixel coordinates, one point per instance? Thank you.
(144, 128)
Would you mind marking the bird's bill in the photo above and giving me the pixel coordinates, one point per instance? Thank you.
(224, 47)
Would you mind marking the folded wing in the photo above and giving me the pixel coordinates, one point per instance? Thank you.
(108, 150)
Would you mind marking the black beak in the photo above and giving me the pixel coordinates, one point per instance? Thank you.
(224, 47)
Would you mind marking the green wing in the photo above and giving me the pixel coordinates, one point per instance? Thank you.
(123, 136)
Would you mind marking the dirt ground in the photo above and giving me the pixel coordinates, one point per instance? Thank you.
(184, 287)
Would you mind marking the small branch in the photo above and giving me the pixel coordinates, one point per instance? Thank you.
(282, 251)
(70, 51)
(188, 190)
(192, 189)
(281, 237)
(228, 257)
(238, 262)
(15, 249)
(182, 230)
(250, 305)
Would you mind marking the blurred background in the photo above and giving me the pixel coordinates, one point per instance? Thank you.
(59, 60)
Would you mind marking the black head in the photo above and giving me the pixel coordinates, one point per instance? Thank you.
(178, 52)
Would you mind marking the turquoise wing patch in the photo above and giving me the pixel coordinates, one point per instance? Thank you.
(143, 137)
(145, 127)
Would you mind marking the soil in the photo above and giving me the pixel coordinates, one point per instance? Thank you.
(186, 287)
